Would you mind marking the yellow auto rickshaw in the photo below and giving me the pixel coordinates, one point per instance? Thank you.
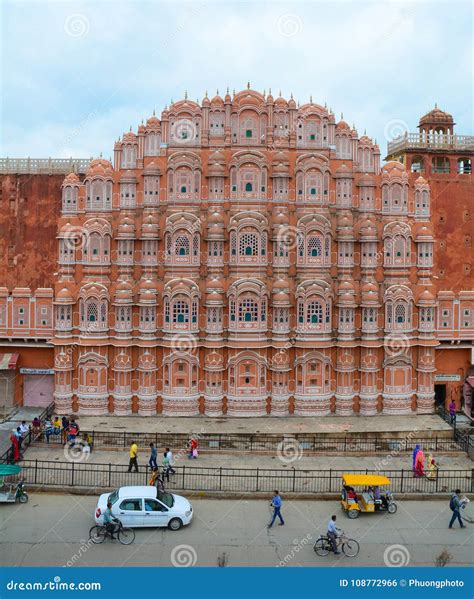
(363, 493)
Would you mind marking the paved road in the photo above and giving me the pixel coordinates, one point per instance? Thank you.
(51, 530)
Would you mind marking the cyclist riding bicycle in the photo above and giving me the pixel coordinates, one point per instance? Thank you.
(332, 534)
(110, 521)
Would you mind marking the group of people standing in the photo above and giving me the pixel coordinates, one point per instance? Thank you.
(67, 429)
(418, 465)
(64, 428)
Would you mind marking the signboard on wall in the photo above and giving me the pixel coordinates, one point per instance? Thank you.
(439, 378)
(36, 371)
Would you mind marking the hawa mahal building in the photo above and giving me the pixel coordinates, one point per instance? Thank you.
(242, 256)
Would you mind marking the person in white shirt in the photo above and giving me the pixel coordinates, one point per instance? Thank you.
(169, 457)
(24, 428)
(332, 534)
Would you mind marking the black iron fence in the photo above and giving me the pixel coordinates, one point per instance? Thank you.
(67, 475)
(463, 436)
(268, 442)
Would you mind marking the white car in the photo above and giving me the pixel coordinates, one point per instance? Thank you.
(145, 507)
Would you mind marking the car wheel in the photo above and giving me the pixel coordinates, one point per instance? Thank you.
(352, 514)
(175, 524)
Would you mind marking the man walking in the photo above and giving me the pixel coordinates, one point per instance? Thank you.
(332, 534)
(153, 455)
(169, 456)
(452, 412)
(133, 457)
(455, 505)
(276, 505)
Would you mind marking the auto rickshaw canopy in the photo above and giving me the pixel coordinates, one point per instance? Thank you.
(365, 480)
(9, 469)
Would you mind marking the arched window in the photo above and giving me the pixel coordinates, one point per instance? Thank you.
(216, 123)
(366, 198)
(248, 182)
(400, 314)
(152, 144)
(63, 318)
(369, 320)
(127, 195)
(69, 199)
(180, 311)
(366, 163)
(464, 166)
(182, 245)
(123, 319)
(151, 189)
(396, 251)
(394, 198)
(129, 156)
(248, 244)
(440, 165)
(417, 164)
(66, 251)
(92, 312)
(315, 246)
(422, 202)
(397, 315)
(313, 249)
(249, 130)
(248, 310)
(425, 254)
(343, 147)
(314, 313)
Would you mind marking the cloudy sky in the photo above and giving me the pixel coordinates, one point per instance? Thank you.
(76, 75)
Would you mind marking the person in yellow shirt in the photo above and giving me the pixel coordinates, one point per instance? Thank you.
(133, 457)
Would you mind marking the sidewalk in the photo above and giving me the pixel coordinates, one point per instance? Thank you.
(424, 426)
(299, 461)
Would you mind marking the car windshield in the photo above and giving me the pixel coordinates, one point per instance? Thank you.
(113, 496)
(166, 498)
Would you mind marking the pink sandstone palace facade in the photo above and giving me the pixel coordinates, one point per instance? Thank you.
(247, 256)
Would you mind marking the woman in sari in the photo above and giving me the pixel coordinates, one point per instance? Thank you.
(415, 451)
(15, 449)
(420, 463)
(432, 468)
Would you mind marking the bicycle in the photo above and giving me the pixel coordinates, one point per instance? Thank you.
(98, 533)
(323, 545)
